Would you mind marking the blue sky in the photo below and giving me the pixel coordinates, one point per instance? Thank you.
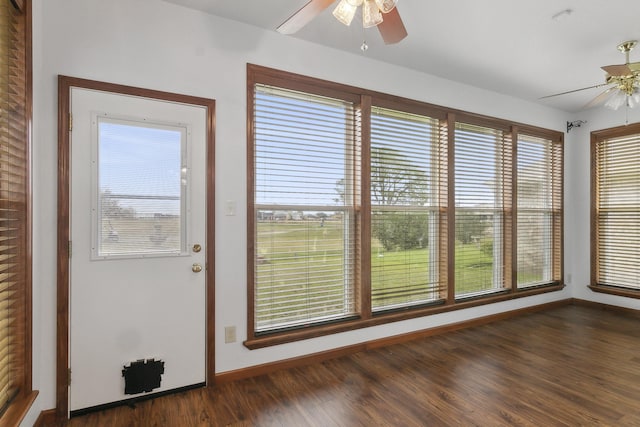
(137, 160)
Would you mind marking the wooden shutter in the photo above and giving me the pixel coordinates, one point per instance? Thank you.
(482, 209)
(617, 210)
(408, 163)
(304, 195)
(14, 166)
(539, 210)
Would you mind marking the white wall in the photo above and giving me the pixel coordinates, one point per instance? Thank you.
(152, 44)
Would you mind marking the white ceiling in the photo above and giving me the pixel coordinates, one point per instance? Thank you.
(508, 46)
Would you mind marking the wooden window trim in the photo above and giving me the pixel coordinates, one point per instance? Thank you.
(612, 290)
(596, 137)
(448, 117)
(322, 330)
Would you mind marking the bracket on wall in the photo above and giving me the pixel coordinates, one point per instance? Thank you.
(575, 124)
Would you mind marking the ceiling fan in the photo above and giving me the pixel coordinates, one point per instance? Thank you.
(380, 13)
(623, 83)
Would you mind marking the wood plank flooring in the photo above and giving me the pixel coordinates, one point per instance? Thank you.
(568, 366)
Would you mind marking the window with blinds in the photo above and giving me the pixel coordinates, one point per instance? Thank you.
(14, 204)
(407, 181)
(305, 178)
(482, 200)
(616, 208)
(366, 208)
(539, 201)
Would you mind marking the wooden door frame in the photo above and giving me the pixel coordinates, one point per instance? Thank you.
(65, 84)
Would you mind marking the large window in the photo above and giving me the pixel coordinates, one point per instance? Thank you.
(539, 195)
(365, 208)
(616, 210)
(15, 252)
(304, 164)
(406, 183)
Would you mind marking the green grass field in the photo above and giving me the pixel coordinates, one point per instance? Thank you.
(302, 262)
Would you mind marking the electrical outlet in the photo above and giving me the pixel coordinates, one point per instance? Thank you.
(229, 334)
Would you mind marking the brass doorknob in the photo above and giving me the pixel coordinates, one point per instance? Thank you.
(196, 268)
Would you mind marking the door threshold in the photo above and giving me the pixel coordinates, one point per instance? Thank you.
(132, 401)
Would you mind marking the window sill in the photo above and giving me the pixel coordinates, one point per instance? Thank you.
(614, 290)
(18, 409)
(409, 313)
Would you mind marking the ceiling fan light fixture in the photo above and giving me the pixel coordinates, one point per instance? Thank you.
(617, 100)
(345, 11)
(371, 15)
(386, 6)
(634, 99)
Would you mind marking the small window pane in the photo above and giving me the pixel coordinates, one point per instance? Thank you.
(405, 195)
(480, 193)
(141, 178)
(535, 211)
(302, 260)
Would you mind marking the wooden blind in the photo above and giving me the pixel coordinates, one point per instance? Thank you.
(13, 200)
(617, 210)
(305, 186)
(539, 207)
(407, 182)
(482, 209)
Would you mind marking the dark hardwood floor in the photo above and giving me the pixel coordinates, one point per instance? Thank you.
(568, 366)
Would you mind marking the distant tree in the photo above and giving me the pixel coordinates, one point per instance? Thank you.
(111, 207)
(396, 180)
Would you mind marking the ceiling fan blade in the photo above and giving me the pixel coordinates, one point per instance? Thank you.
(303, 16)
(618, 70)
(598, 99)
(634, 66)
(392, 28)
(575, 90)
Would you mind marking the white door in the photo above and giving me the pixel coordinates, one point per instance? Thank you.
(138, 224)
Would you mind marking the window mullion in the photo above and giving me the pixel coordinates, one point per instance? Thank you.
(450, 238)
(364, 211)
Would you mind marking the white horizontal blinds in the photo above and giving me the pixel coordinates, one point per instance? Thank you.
(304, 207)
(482, 196)
(618, 211)
(405, 190)
(142, 179)
(557, 180)
(13, 200)
(538, 197)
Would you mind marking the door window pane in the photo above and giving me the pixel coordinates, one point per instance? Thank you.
(141, 179)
